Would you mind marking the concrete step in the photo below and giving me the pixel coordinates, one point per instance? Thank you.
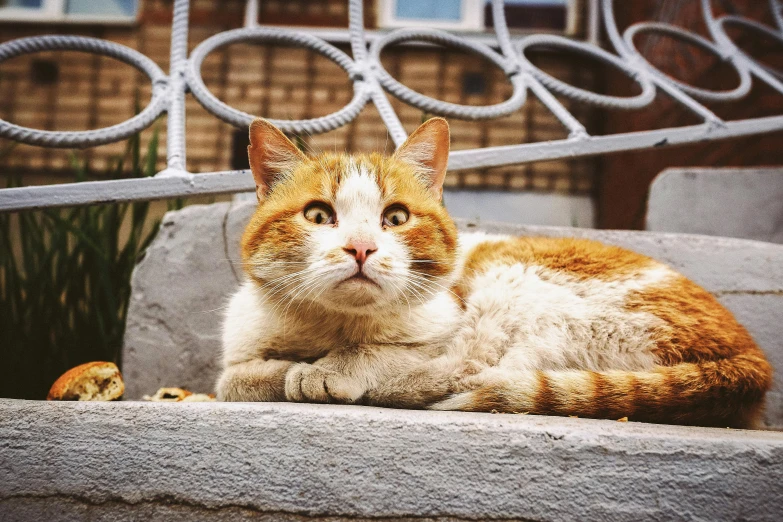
(232, 461)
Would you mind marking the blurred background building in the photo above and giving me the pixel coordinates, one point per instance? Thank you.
(77, 91)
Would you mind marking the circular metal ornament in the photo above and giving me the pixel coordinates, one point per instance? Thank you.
(686, 36)
(753, 25)
(69, 139)
(258, 34)
(439, 107)
(602, 100)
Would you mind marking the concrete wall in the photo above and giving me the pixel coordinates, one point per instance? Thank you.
(523, 208)
(745, 203)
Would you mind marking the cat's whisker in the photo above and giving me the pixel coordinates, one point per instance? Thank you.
(219, 308)
(299, 289)
(277, 261)
(320, 285)
(324, 287)
(438, 285)
(305, 285)
(287, 280)
(284, 278)
(419, 285)
(312, 280)
(425, 289)
(417, 294)
(420, 276)
(282, 287)
(401, 291)
(318, 281)
(286, 299)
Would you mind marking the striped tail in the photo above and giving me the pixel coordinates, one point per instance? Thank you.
(725, 393)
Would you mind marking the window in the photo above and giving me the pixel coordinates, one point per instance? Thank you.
(537, 15)
(476, 15)
(89, 11)
(466, 15)
(240, 140)
(44, 72)
(474, 83)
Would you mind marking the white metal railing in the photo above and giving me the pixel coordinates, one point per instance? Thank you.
(371, 83)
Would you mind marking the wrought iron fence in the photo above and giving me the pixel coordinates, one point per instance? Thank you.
(371, 83)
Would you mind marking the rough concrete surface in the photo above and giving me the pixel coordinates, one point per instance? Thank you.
(181, 287)
(744, 203)
(206, 461)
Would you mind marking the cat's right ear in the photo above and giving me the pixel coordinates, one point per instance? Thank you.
(272, 156)
(427, 149)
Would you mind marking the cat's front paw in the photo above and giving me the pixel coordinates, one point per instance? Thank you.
(308, 383)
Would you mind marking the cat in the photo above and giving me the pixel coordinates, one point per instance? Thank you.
(359, 290)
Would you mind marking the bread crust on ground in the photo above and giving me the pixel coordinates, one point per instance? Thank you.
(73, 384)
(178, 395)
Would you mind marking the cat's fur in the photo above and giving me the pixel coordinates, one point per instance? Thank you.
(413, 315)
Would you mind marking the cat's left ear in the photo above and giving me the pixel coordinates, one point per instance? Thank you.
(428, 150)
(272, 156)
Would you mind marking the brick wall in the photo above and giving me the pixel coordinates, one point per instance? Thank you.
(86, 92)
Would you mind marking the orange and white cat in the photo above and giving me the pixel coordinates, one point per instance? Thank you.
(359, 290)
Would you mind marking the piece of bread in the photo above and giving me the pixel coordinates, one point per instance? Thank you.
(167, 395)
(178, 395)
(94, 381)
(199, 397)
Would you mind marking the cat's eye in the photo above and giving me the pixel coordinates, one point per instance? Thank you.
(395, 216)
(319, 213)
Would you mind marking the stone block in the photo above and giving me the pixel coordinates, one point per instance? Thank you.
(744, 203)
(301, 462)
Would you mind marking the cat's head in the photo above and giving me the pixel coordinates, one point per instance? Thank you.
(356, 233)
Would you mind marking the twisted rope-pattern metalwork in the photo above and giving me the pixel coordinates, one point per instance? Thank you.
(371, 82)
(90, 138)
(259, 34)
(442, 108)
(178, 60)
(582, 95)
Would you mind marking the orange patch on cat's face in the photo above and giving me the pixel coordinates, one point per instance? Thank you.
(279, 230)
(430, 234)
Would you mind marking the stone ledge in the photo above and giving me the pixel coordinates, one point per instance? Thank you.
(215, 461)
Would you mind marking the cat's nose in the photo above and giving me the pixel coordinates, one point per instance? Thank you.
(361, 249)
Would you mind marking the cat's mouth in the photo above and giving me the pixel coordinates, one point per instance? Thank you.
(361, 278)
